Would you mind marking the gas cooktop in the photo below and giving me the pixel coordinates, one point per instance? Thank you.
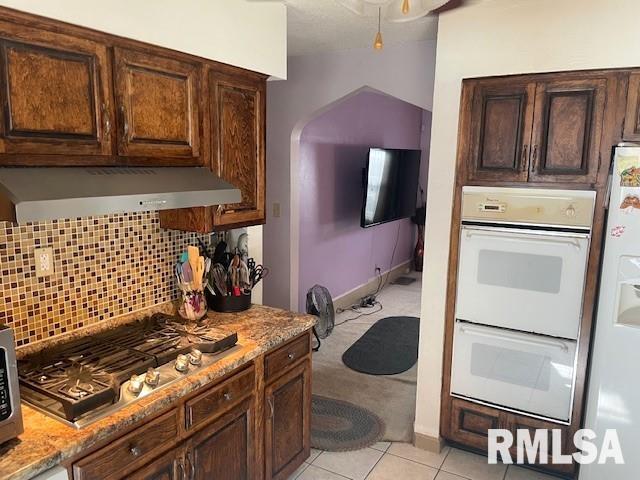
(84, 380)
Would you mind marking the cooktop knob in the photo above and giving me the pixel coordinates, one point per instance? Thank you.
(195, 357)
(570, 211)
(136, 382)
(182, 363)
(152, 378)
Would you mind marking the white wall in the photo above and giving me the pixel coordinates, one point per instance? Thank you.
(497, 37)
(314, 81)
(237, 32)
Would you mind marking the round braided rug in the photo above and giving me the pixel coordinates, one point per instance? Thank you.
(340, 426)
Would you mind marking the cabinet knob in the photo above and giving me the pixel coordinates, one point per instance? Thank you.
(291, 355)
(227, 396)
(135, 450)
(106, 122)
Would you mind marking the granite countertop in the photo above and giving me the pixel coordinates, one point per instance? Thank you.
(47, 442)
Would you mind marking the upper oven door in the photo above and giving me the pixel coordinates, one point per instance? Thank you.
(528, 280)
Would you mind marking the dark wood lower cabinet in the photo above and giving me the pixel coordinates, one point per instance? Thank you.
(167, 467)
(287, 422)
(236, 429)
(469, 426)
(224, 449)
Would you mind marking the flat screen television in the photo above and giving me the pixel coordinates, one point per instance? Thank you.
(390, 185)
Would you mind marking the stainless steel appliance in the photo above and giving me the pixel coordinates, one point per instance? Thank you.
(49, 193)
(521, 273)
(84, 380)
(10, 412)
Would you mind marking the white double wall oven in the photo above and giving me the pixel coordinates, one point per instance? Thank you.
(521, 274)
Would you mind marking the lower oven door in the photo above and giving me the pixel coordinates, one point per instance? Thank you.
(525, 280)
(520, 371)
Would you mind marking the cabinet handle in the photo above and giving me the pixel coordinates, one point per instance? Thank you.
(181, 472)
(125, 121)
(106, 122)
(227, 396)
(525, 152)
(190, 464)
(534, 158)
(271, 406)
(291, 356)
(135, 450)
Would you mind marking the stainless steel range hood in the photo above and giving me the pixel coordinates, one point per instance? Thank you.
(33, 194)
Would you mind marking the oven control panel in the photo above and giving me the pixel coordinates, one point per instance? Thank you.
(533, 206)
(5, 394)
(492, 207)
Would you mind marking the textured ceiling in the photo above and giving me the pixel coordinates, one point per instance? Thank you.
(325, 25)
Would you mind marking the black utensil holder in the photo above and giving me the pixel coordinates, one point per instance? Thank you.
(228, 304)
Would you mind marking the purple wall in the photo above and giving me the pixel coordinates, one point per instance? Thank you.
(334, 250)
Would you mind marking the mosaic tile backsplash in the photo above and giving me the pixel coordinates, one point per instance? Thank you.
(104, 267)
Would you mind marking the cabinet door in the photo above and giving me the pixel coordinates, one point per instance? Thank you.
(501, 119)
(237, 115)
(567, 130)
(470, 423)
(158, 106)
(55, 96)
(224, 449)
(287, 422)
(168, 467)
(632, 117)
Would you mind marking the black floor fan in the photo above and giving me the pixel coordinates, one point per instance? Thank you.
(320, 304)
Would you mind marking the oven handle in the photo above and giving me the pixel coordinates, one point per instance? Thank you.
(537, 343)
(499, 233)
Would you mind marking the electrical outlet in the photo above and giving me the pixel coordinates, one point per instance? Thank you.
(44, 261)
(276, 210)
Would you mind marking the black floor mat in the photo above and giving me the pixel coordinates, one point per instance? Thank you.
(390, 346)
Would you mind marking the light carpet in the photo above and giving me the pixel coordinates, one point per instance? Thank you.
(391, 397)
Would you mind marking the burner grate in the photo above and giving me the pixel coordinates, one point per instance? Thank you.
(72, 379)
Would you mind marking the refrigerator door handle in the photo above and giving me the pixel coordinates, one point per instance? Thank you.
(607, 192)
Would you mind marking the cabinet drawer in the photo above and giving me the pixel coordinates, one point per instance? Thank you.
(114, 461)
(217, 400)
(286, 355)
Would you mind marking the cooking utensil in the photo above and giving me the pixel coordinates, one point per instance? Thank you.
(198, 273)
(194, 255)
(219, 279)
(257, 274)
(187, 274)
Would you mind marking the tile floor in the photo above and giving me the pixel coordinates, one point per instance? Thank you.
(403, 461)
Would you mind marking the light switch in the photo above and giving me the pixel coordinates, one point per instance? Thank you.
(44, 261)
(276, 210)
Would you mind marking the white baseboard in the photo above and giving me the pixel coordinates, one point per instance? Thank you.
(352, 296)
(427, 442)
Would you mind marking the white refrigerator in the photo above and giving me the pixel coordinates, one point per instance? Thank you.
(613, 400)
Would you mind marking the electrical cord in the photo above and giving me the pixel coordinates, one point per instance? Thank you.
(360, 314)
(370, 301)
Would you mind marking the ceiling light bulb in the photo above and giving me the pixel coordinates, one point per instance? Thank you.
(377, 43)
(405, 7)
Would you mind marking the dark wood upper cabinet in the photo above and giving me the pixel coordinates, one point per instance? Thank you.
(632, 118)
(567, 130)
(225, 449)
(158, 105)
(501, 119)
(287, 422)
(237, 119)
(55, 93)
